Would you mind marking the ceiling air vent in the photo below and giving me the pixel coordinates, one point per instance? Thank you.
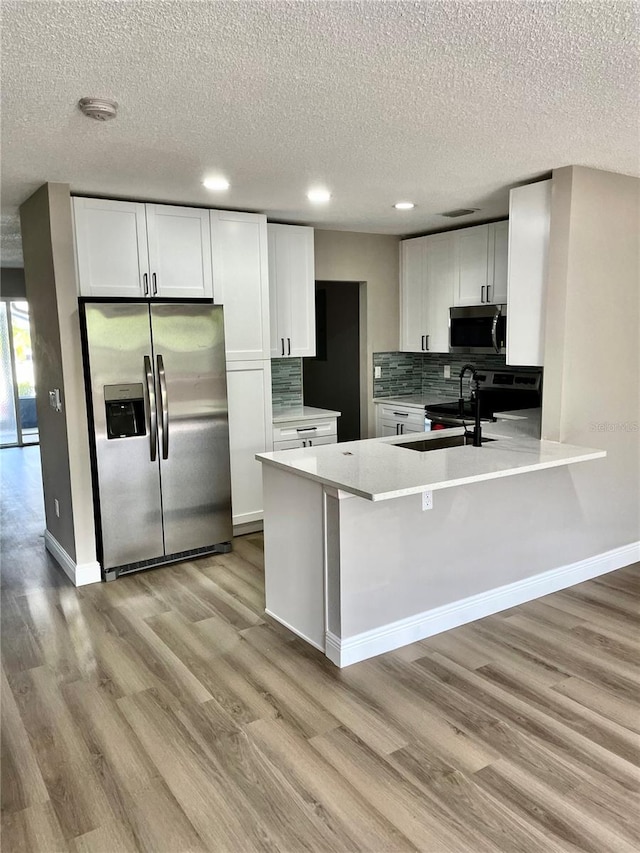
(101, 109)
(461, 211)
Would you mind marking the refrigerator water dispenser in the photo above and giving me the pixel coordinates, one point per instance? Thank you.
(125, 410)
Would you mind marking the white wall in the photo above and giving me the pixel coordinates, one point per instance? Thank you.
(373, 259)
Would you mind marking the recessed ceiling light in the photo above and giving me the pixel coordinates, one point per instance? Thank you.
(216, 184)
(404, 205)
(319, 196)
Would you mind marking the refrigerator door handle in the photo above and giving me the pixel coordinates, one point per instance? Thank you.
(164, 408)
(151, 403)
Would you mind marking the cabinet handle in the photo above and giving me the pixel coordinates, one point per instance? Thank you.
(423, 343)
(306, 429)
(145, 283)
(488, 297)
(426, 343)
(482, 293)
(282, 341)
(289, 345)
(401, 414)
(397, 429)
(155, 284)
(401, 429)
(310, 443)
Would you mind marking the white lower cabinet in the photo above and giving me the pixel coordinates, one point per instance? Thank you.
(304, 433)
(304, 442)
(250, 432)
(398, 419)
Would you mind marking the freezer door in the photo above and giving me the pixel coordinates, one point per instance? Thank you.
(189, 359)
(128, 473)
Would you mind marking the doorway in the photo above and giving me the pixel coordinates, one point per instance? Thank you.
(18, 420)
(331, 379)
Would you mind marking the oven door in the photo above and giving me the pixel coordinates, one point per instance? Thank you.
(478, 329)
(444, 423)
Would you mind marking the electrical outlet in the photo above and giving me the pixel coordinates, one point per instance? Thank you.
(377, 372)
(56, 505)
(427, 500)
(447, 371)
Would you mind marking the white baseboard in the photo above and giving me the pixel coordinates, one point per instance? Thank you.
(247, 527)
(294, 630)
(350, 650)
(79, 574)
(247, 518)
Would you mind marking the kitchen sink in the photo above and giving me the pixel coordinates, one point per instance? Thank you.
(440, 443)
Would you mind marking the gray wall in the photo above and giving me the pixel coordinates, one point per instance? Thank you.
(47, 238)
(375, 260)
(12, 283)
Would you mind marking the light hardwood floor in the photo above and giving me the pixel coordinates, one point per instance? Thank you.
(164, 712)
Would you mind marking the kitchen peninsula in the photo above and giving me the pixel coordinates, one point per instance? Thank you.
(356, 567)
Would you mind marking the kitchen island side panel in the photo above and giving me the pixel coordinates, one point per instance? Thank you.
(398, 561)
(294, 553)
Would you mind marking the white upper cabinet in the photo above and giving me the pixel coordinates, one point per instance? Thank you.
(529, 221)
(473, 265)
(179, 251)
(481, 264)
(413, 301)
(427, 277)
(241, 282)
(499, 242)
(441, 269)
(291, 291)
(111, 247)
(142, 250)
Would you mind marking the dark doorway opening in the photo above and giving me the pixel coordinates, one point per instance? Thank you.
(332, 378)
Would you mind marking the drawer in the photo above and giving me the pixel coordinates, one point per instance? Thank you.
(401, 414)
(305, 442)
(304, 429)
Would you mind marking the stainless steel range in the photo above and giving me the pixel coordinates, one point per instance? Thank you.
(500, 391)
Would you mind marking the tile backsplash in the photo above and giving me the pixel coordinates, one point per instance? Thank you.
(286, 382)
(423, 373)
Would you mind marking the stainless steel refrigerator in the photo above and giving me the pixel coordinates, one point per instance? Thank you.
(157, 401)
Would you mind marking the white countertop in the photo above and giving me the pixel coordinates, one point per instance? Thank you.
(377, 470)
(420, 400)
(302, 413)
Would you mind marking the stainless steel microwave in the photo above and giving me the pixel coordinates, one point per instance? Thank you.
(478, 328)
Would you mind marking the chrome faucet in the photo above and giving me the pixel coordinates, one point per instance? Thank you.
(475, 396)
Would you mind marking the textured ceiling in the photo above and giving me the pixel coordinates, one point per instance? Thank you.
(447, 104)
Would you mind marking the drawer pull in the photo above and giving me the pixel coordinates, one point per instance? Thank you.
(306, 429)
(402, 414)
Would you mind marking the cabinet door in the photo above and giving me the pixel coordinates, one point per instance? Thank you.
(179, 252)
(241, 282)
(529, 221)
(111, 247)
(250, 432)
(439, 291)
(292, 291)
(472, 246)
(386, 428)
(323, 439)
(413, 284)
(499, 240)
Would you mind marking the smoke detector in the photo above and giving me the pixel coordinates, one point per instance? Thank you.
(101, 109)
